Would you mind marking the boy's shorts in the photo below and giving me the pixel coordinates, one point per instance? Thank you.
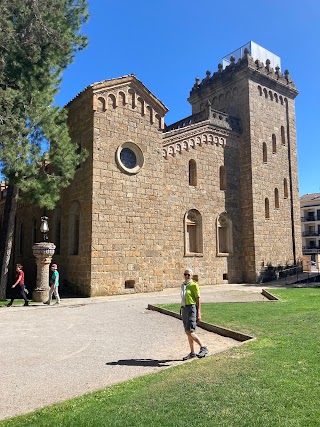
(189, 317)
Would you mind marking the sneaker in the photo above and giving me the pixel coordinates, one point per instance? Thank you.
(26, 304)
(190, 356)
(57, 303)
(9, 304)
(47, 303)
(203, 351)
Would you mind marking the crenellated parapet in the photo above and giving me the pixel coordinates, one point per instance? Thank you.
(245, 62)
(215, 117)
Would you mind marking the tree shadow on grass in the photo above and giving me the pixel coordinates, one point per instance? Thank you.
(144, 362)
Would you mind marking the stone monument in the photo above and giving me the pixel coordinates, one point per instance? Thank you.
(43, 252)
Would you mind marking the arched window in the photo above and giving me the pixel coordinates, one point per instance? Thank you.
(260, 90)
(140, 103)
(74, 229)
(223, 178)
(274, 143)
(192, 173)
(285, 188)
(265, 93)
(193, 232)
(266, 208)
(101, 104)
(122, 98)
(224, 234)
(132, 98)
(112, 102)
(283, 136)
(150, 109)
(276, 198)
(264, 152)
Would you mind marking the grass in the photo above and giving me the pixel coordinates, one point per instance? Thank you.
(272, 381)
(16, 302)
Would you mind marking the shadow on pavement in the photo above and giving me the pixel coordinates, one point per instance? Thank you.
(143, 362)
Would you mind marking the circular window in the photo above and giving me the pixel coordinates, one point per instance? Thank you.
(129, 157)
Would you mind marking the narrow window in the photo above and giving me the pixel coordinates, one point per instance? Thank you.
(224, 234)
(74, 229)
(283, 136)
(112, 102)
(266, 208)
(193, 232)
(223, 178)
(276, 198)
(274, 144)
(192, 173)
(264, 153)
(285, 188)
(101, 107)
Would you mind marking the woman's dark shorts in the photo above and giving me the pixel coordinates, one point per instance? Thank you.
(189, 317)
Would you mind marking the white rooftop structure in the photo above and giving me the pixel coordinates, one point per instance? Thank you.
(256, 51)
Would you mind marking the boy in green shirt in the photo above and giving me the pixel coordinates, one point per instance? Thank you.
(191, 313)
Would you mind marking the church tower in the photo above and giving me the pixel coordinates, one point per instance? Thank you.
(262, 97)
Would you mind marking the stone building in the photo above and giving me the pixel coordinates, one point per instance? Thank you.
(216, 191)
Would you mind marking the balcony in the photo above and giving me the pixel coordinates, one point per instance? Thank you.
(310, 218)
(310, 233)
(308, 250)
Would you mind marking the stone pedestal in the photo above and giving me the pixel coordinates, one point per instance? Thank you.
(43, 253)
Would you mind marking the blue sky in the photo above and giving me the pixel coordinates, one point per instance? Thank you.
(166, 44)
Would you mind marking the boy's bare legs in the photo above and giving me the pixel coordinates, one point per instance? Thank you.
(192, 338)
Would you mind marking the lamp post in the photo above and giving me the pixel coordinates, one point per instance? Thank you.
(43, 252)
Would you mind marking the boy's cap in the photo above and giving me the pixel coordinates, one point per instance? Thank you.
(54, 266)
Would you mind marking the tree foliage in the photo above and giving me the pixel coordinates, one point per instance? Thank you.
(38, 40)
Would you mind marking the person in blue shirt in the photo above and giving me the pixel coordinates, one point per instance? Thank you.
(54, 285)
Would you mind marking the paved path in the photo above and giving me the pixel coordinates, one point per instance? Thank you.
(50, 354)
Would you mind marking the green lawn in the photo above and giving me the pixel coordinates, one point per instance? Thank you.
(272, 381)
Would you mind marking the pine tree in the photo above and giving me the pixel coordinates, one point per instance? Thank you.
(38, 40)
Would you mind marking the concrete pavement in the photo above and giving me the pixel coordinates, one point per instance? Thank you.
(50, 354)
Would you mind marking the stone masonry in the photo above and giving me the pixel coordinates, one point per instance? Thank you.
(216, 191)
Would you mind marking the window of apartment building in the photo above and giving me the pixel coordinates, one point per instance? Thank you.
(193, 233)
(264, 153)
(266, 208)
(224, 234)
(274, 144)
(223, 178)
(192, 173)
(74, 229)
(276, 199)
(285, 188)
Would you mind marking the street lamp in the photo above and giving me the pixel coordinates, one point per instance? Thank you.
(44, 227)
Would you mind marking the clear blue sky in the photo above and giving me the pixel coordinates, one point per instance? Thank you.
(166, 44)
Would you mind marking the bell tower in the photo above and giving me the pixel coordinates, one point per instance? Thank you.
(250, 85)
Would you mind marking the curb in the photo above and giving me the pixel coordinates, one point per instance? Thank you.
(229, 333)
(268, 295)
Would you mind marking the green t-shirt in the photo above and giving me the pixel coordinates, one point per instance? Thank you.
(190, 293)
(53, 278)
